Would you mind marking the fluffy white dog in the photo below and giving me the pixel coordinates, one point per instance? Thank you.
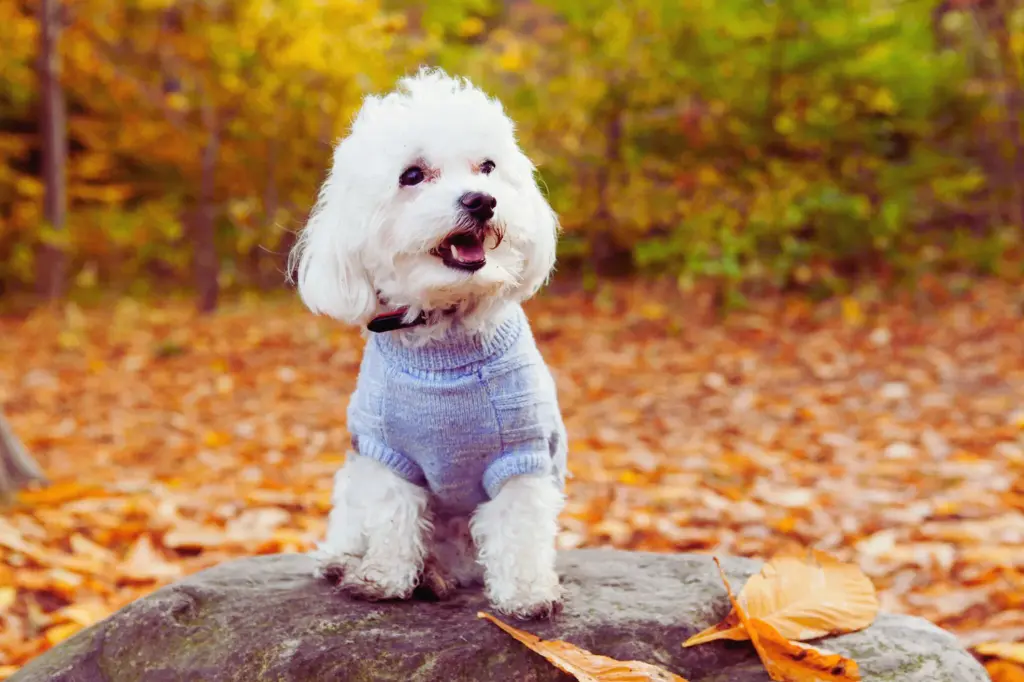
(430, 231)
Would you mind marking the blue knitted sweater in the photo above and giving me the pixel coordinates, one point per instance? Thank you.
(462, 414)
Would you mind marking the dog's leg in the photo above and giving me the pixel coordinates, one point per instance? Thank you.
(515, 535)
(394, 528)
(346, 537)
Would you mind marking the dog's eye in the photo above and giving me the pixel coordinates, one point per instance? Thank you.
(411, 176)
(486, 167)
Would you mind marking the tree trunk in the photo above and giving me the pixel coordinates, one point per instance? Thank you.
(16, 466)
(609, 257)
(50, 257)
(204, 244)
(1013, 101)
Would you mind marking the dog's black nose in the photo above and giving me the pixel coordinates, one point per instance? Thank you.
(480, 205)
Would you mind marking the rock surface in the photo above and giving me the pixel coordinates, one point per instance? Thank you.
(265, 618)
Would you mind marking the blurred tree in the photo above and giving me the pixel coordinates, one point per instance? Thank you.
(16, 466)
(786, 143)
(781, 142)
(199, 132)
(50, 263)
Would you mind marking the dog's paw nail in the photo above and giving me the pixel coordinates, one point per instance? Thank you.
(332, 573)
(541, 610)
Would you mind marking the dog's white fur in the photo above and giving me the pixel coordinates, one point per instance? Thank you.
(366, 250)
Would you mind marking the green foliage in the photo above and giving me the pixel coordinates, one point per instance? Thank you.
(778, 141)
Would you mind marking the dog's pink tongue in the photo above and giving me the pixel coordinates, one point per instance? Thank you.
(469, 252)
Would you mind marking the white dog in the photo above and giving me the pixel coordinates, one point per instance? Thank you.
(430, 231)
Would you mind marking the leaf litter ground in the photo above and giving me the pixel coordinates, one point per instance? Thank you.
(886, 432)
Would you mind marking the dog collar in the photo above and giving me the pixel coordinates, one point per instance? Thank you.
(389, 322)
(395, 320)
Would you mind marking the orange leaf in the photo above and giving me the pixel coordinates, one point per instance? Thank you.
(582, 664)
(786, 661)
(57, 493)
(1001, 671)
(58, 633)
(1008, 651)
(145, 564)
(803, 597)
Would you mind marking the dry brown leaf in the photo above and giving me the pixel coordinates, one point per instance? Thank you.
(192, 536)
(1008, 651)
(11, 538)
(803, 597)
(788, 661)
(584, 665)
(782, 383)
(145, 564)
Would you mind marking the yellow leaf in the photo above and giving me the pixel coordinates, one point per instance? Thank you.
(471, 26)
(803, 597)
(784, 124)
(1008, 651)
(582, 664)
(787, 661)
(216, 439)
(883, 101)
(7, 596)
(655, 312)
(852, 313)
(58, 633)
(511, 58)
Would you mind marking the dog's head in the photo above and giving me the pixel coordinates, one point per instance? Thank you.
(430, 204)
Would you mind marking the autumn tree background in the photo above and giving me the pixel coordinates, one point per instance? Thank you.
(752, 144)
(840, 185)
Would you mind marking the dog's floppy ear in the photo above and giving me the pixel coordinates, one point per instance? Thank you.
(540, 261)
(326, 262)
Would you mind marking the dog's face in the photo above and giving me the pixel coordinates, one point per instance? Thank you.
(430, 204)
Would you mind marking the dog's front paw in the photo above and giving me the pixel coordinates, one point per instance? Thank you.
(528, 601)
(377, 582)
(334, 567)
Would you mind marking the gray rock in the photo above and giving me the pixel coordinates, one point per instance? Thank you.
(265, 618)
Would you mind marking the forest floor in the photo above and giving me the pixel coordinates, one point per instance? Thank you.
(885, 430)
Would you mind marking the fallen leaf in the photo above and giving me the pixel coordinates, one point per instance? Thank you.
(145, 564)
(58, 633)
(194, 537)
(82, 613)
(57, 493)
(11, 538)
(787, 661)
(1008, 651)
(1001, 671)
(7, 596)
(584, 665)
(803, 597)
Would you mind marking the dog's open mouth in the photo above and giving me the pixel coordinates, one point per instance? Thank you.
(463, 251)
